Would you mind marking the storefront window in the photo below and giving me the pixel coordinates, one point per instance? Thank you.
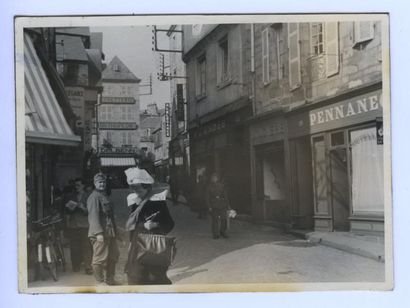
(367, 171)
(270, 174)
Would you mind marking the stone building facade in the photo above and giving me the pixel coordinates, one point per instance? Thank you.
(218, 106)
(315, 143)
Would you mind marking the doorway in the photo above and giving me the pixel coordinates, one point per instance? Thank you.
(339, 189)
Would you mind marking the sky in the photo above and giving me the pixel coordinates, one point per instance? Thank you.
(133, 45)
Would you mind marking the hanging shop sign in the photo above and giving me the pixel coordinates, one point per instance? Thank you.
(379, 130)
(118, 100)
(123, 150)
(167, 120)
(116, 125)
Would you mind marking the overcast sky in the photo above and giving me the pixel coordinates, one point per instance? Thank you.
(133, 46)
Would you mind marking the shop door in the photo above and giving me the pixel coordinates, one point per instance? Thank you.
(339, 189)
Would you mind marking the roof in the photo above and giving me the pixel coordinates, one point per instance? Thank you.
(95, 57)
(96, 39)
(150, 122)
(70, 48)
(117, 71)
(161, 111)
(77, 31)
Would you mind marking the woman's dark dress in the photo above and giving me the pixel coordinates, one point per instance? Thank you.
(143, 274)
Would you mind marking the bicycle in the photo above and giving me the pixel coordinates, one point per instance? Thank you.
(50, 252)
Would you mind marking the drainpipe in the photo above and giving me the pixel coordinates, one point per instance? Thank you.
(253, 68)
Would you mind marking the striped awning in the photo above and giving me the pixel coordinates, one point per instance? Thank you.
(44, 119)
(117, 161)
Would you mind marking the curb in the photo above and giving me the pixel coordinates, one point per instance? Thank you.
(342, 247)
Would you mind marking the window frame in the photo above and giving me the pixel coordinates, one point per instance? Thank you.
(320, 45)
(223, 61)
(200, 81)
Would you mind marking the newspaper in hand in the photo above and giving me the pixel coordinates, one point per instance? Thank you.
(71, 205)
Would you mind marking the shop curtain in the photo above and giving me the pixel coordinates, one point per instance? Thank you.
(367, 171)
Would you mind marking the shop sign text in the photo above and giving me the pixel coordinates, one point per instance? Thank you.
(346, 109)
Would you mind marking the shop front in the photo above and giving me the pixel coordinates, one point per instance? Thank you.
(114, 161)
(268, 160)
(47, 133)
(222, 146)
(347, 161)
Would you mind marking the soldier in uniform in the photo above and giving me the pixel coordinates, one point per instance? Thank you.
(102, 232)
(218, 204)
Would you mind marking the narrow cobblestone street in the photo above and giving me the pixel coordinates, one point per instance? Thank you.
(251, 254)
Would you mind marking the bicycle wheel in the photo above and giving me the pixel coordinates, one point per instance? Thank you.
(51, 260)
(60, 254)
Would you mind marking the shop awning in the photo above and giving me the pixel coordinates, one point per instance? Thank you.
(44, 119)
(117, 161)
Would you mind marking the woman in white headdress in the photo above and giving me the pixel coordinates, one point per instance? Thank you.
(149, 214)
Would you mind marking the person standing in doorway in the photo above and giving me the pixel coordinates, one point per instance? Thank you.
(102, 232)
(77, 227)
(218, 205)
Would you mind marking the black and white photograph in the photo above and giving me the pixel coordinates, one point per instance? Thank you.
(203, 153)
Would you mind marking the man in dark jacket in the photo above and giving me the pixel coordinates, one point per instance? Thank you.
(77, 227)
(200, 200)
(102, 232)
(218, 204)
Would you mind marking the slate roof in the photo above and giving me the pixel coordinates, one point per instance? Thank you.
(117, 71)
(96, 40)
(70, 48)
(95, 57)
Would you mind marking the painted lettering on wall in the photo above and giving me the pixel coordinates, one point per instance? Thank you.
(76, 99)
(346, 109)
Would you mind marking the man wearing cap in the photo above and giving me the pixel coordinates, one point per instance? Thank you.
(218, 204)
(149, 214)
(102, 232)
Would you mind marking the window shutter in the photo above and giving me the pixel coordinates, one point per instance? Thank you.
(332, 48)
(363, 31)
(265, 56)
(197, 78)
(294, 55)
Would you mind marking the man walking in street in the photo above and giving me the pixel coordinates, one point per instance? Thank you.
(218, 204)
(102, 232)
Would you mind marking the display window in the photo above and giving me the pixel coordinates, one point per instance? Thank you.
(366, 171)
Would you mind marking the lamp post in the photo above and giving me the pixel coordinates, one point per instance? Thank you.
(97, 128)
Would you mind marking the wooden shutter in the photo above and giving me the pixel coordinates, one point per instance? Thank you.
(294, 55)
(363, 31)
(332, 48)
(265, 56)
(197, 78)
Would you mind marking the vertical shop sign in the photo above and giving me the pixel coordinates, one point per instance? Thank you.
(180, 103)
(167, 120)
